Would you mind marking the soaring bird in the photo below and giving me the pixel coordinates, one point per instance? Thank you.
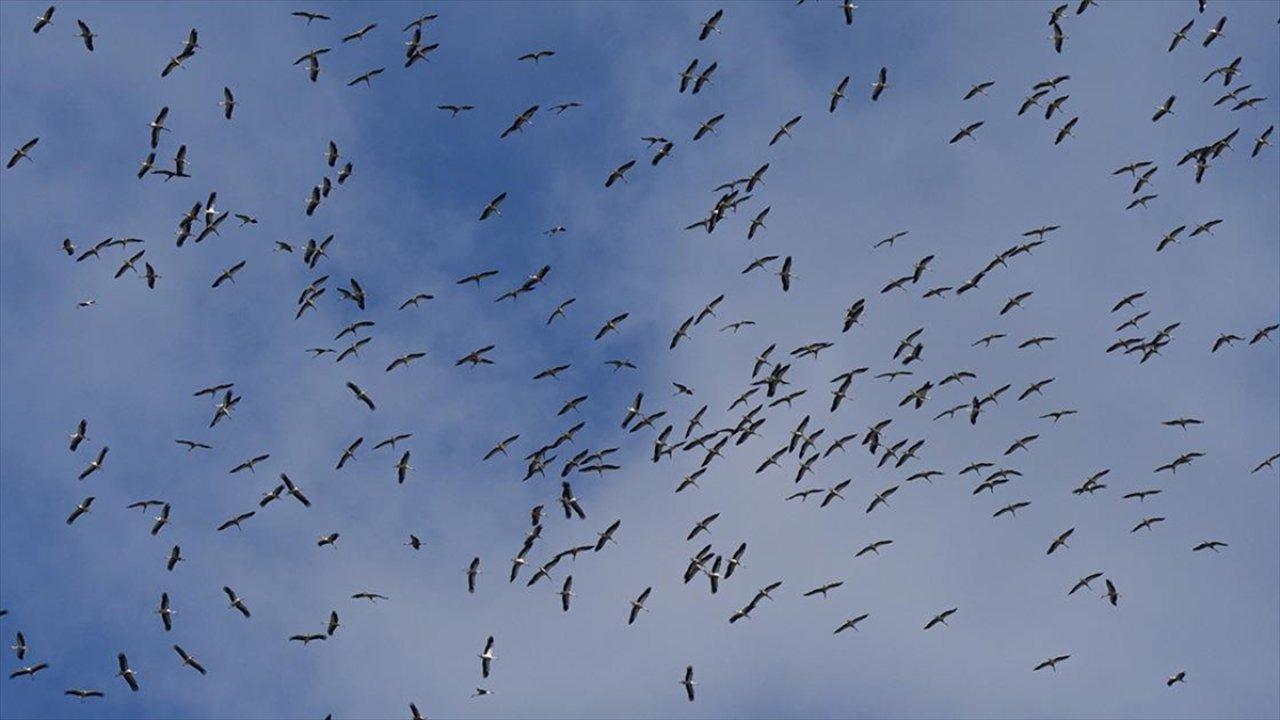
(688, 682)
(838, 94)
(130, 677)
(882, 82)
(236, 602)
(619, 173)
(1052, 663)
(23, 152)
(44, 19)
(940, 618)
(967, 132)
(709, 26)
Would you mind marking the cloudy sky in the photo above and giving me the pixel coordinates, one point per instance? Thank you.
(406, 222)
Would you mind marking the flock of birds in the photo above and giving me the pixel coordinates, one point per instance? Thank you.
(706, 435)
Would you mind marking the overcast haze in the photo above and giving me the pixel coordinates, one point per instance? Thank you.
(406, 222)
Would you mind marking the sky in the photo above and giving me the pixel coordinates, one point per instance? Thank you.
(406, 222)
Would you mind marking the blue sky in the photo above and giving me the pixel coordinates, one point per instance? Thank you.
(406, 223)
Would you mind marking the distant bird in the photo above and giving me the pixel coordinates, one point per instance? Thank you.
(1060, 541)
(309, 16)
(688, 682)
(882, 82)
(1264, 140)
(1052, 663)
(366, 78)
(940, 618)
(708, 126)
(536, 56)
(28, 671)
(130, 677)
(979, 89)
(23, 152)
(1111, 595)
(638, 604)
(473, 571)
(486, 657)
(87, 35)
(1164, 109)
(361, 395)
(851, 623)
(81, 509)
(967, 132)
(619, 173)
(94, 464)
(838, 94)
(1181, 34)
(709, 26)
(236, 602)
(228, 103)
(44, 19)
(1215, 32)
(785, 129)
(359, 34)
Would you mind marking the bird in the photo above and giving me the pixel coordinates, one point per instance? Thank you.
(44, 19)
(1060, 541)
(1264, 140)
(1052, 662)
(126, 673)
(359, 34)
(1215, 32)
(880, 84)
(228, 104)
(824, 589)
(637, 605)
(688, 682)
(486, 657)
(1181, 34)
(967, 132)
(710, 25)
(366, 78)
(361, 395)
(619, 173)
(940, 618)
(850, 623)
(473, 571)
(1065, 131)
(86, 35)
(566, 593)
(94, 464)
(838, 94)
(979, 89)
(309, 16)
(22, 152)
(703, 525)
(28, 671)
(536, 56)
(1111, 595)
(236, 602)
(81, 508)
(708, 126)
(785, 129)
